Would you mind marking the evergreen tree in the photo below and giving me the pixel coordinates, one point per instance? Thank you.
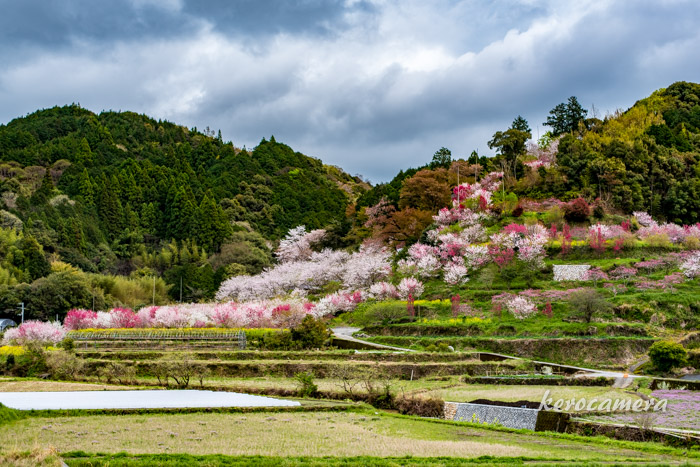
(110, 208)
(521, 124)
(441, 158)
(149, 218)
(32, 258)
(565, 117)
(45, 190)
(85, 188)
(206, 219)
(180, 215)
(84, 155)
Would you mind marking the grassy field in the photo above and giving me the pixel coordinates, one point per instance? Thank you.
(33, 385)
(466, 393)
(447, 388)
(363, 433)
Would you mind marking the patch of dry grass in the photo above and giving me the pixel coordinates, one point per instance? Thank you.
(290, 434)
(38, 456)
(53, 386)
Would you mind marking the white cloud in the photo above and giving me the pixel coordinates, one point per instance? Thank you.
(386, 89)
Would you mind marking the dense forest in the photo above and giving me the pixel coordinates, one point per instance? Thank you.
(644, 159)
(118, 209)
(86, 197)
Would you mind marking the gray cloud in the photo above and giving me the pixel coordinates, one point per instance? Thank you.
(371, 87)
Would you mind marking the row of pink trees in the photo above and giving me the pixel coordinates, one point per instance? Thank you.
(44, 333)
(254, 314)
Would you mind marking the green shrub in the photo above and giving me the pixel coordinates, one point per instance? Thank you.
(310, 334)
(64, 365)
(32, 362)
(666, 355)
(306, 385)
(386, 313)
(587, 302)
(115, 371)
(181, 371)
(68, 344)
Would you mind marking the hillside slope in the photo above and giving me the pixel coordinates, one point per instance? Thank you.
(110, 192)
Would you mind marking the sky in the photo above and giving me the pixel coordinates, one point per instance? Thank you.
(371, 86)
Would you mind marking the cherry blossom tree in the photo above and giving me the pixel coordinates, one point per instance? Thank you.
(297, 245)
(456, 274)
(623, 273)
(383, 291)
(691, 265)
(595, 275)
(519, 306)
(410, 286)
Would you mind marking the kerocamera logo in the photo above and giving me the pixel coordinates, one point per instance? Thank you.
(602, 405)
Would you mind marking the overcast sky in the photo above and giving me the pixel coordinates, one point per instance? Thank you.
(371, 86)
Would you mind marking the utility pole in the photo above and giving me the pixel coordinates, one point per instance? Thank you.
(22, 305)
(180, 289)
(154, 286)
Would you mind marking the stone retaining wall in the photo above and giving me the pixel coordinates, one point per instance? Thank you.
(570, 272)
(509, 417)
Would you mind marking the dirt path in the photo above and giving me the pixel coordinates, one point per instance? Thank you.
(345, 333)
(624, 379)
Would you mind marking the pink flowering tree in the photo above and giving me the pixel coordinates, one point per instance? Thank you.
(566, 237)
(298, 243)
(456, 274)
(623, 273)
(519, 306)
(669, 282)
(547, 311)
(80, 319)
(383, 291)
(596, 239)
(35, 332)
(410, 286)
(595, 275)
(644, 219)
(691, 265)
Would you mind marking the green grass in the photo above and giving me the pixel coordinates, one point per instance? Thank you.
(600, 353)
(8, 415)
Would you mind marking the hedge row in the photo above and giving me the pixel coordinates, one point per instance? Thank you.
(476, 330)
(553, 381)
(615, 352)
(398, 370)
(326, 355)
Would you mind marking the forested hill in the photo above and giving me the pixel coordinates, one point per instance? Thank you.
(100, 191)
(646, 158)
